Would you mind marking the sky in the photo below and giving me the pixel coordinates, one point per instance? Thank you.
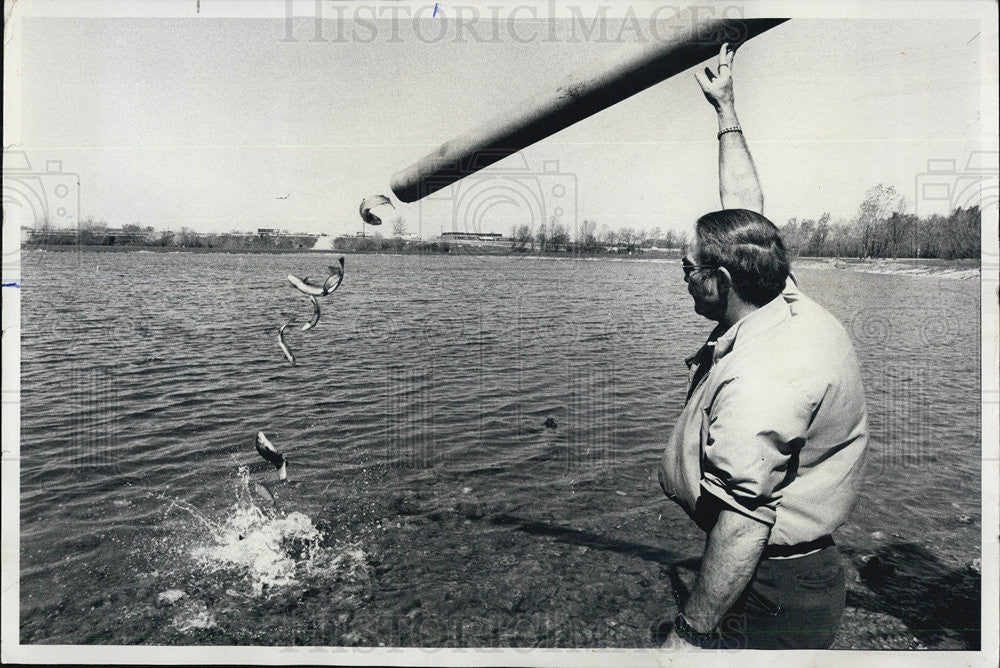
(210, 123)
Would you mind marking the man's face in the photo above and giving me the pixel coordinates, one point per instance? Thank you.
(703, 286)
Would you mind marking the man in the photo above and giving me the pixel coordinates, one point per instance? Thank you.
(767, 453)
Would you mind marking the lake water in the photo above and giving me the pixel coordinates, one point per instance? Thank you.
(428, 504)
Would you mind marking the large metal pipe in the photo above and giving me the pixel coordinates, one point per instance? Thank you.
(616, 77)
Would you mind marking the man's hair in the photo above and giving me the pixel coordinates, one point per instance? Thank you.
(750, 247)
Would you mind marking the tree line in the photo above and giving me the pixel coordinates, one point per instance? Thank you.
(882, 228)
(591, 238)
(98, 233)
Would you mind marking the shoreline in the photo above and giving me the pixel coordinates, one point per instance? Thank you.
(956, 269)
(959, 269)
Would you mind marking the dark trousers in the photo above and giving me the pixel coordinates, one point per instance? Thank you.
(789, 604)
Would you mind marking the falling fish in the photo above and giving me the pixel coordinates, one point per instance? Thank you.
(305, 287)
(335, 278)
(315, 319)
(281, 342)
(266, 450)
(331, 283)
(369, 203)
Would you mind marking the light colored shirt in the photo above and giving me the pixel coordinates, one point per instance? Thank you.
(777, 429)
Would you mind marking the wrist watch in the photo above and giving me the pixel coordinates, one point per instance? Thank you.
(688, 634)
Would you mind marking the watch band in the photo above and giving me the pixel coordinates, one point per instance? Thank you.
(732, 128)
(684, 629)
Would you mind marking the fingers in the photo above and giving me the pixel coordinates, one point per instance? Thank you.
(726, 57)
(709, 78)
(702, 81)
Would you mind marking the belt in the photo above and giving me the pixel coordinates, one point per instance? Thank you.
(772, 551)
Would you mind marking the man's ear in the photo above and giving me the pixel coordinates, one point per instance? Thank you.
(723, 280)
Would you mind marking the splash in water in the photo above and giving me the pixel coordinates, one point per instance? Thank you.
(273, 551)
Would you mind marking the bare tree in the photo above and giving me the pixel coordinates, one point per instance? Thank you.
(881, 201)
(542, 237)
(816, 245)
(558, 236)
(608, 236)
(398, 226)
(626, 239)
(586, 236)
(188, 237)
(522, 237)
(92, 232)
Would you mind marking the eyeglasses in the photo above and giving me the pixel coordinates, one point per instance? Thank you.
(688, 266)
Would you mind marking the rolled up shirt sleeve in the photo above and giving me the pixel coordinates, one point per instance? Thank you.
(755, 428)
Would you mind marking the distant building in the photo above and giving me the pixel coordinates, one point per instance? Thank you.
(475, 238)
(116, 236)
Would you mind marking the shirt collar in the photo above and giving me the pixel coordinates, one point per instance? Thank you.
(706, 352)
(767, 316)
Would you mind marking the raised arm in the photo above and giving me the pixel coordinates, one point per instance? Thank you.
(739, 186)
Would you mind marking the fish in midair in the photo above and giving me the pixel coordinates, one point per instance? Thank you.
(331, 283)
(281, 342)
(315, 319)
(335, 278)
(305, 287)
(267, 450)
(369, 203)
